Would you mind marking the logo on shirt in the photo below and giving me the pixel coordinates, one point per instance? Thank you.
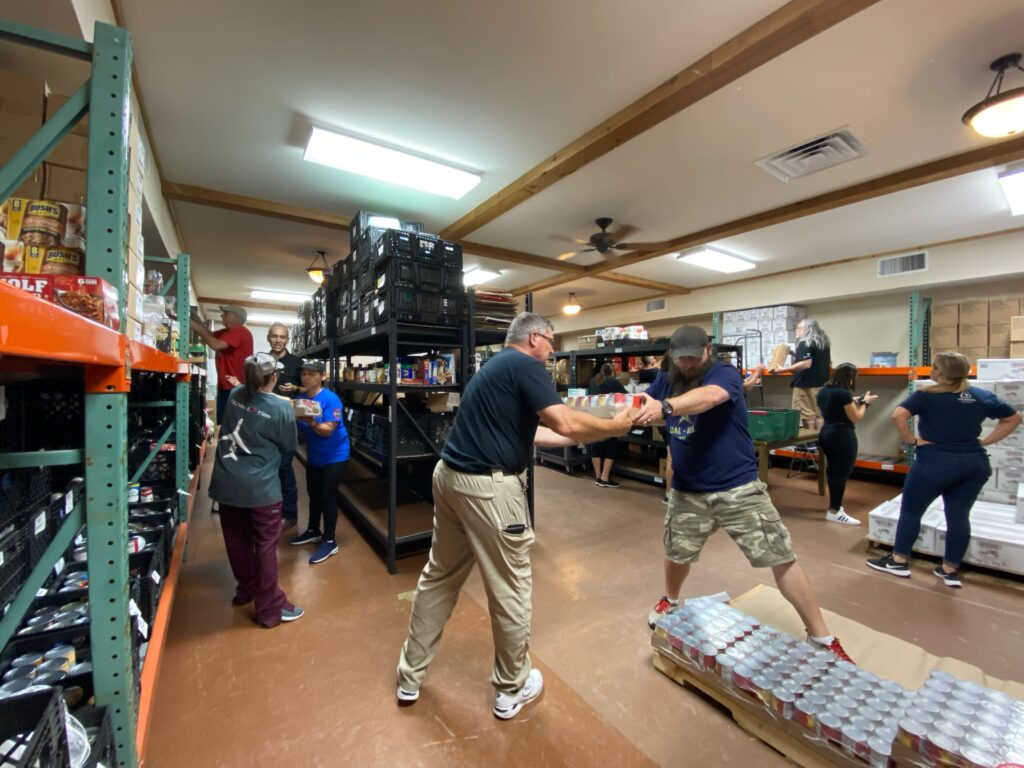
(336, 413)
(681, 429)
(236, 442)
(967, 398)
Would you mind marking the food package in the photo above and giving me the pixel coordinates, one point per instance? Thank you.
(305, 408)
(779, 355)
(43, 237)
(91, 297)
(604, 405)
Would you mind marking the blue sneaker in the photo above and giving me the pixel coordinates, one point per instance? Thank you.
(291, 614)
(325, 550)
(306, 537)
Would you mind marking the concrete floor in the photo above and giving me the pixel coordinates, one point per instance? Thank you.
(320, 692)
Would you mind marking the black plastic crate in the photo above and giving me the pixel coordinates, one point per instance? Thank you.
(406, 273)
(12, 426)
(394, 242)
(55, 416)
(14, 567)
(414, 306)
(38, 532)
(451, 255)
(427, 248)
(100, 729)
(32, 730)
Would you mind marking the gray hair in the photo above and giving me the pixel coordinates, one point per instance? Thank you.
(525, 324)
(815, 336)
(280, 325)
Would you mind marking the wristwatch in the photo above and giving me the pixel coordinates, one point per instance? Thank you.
(666, 408)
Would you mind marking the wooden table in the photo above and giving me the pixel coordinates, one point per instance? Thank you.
(803, 436)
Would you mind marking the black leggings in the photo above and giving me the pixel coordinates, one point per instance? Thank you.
(839, 444)
(322, 487)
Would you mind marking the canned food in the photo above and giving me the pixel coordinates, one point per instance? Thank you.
(782, 702)
(61, 652)
(804, 714)
(15, 672)
(957, 719)
(61, 260)
(987, 732)
(675, 640)
(910, 733)
(742, 676)
(830, 727)
(940, 747)
(761, 686)
(707, 654)
(50, 678)
(945, 677)
(846, 666)
(845, 702)
(976, 758)
(28, 660)
(970, 687)
(841, 712)
(16, 686)
(879, 750)
(966, 697)
(44, 223)
(891, 686)
(690, 646)
(854, 741)
(54, 665)
(724, 666)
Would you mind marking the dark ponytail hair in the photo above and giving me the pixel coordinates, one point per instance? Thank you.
(844, 376)
(607, 371)
(255, 380)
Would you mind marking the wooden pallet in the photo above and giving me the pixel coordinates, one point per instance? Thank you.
(978, 573)
(752, 717)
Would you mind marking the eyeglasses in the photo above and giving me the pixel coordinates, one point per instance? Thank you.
(549, 339)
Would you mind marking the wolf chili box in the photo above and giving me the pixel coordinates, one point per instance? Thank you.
(91, 297)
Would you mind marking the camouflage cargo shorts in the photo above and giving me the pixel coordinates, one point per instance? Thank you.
(745, 512)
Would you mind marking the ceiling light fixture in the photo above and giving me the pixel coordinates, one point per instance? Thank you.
(999, 115)
(262, 318)
(572, 307)
(286, 296)
(1012, 182)
(709, 258)
(317, 272)
(391, 165)
(477, 275)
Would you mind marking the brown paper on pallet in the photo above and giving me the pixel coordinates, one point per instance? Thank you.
(885, 655)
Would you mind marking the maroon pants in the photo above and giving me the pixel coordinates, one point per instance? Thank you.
(250, 537)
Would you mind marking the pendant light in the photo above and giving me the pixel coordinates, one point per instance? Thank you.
(572, 307)
(999, 114)
(318, 272)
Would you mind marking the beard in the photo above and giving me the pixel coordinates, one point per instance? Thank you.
(682, 382)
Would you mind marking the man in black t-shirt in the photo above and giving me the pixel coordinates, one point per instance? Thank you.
(812, 360)
(480, 510)
(288, 384)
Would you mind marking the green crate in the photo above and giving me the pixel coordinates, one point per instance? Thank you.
(773, 423)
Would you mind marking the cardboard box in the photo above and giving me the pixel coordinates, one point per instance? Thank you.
(973, 335)
(995, 350)
(134, 301)
(90, 297)
(71, 152)
(999, 334)
(16, 129)
(54, 102)
(22, 94)
(945, 315)
(974, 354)
(1017, 328)
(65, 185)
(944, 337)
(1016, 349)
(1001, 310)
(31, 188)
(973, 312)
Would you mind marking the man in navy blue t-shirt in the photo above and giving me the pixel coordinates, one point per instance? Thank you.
(714, 480)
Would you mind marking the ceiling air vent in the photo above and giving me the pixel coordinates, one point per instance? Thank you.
(812, 156)
(898, 265)
(654, 305)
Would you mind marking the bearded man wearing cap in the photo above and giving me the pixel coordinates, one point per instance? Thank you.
(232, 345)
(715, 482)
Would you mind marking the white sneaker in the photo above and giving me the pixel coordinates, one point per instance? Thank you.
(507, 705)
(406, 697)
(841, 517)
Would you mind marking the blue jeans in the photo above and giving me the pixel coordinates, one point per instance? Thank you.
(957, 478)
(222, 402)
(289, 488)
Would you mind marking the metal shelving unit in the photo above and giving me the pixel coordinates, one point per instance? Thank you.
(39, 336)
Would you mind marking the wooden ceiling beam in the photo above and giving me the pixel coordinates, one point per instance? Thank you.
(187, 193)
(518, 257)
(640, 282)
(987, 156)
(779, 32)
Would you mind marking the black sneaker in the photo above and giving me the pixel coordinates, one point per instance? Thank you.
(600, 483)
(888, 565)
(306, 537)
(949, 579)
(609, 484)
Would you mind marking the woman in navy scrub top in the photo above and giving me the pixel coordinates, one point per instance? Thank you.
(950, 460)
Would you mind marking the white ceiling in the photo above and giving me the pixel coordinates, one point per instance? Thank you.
(232, 88)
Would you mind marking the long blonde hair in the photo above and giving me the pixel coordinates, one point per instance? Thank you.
(953, 367)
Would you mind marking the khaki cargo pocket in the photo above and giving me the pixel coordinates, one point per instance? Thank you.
(477, 486)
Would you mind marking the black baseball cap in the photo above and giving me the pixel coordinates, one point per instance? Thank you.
(688, 341)
(313, 365)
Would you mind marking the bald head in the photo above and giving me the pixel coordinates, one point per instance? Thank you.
(277, 337)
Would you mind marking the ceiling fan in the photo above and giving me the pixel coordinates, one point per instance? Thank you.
(604, 242)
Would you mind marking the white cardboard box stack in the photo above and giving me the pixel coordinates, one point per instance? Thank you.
(776, 325)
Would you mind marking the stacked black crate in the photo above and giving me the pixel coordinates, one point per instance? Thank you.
(339, 295)
(416, 278)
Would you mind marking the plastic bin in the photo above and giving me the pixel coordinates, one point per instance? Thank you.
(32, 730)
(773, 423)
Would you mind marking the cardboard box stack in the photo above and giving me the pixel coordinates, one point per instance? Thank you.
(1017, 336)
(762, 329)
(977, 328)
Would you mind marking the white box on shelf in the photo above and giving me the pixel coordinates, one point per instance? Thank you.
(765, 315)
(985, 384)
(1001, 369)
(785, 324)
(788, 310)
(1009, 478)
(1000, 455)
(1012, 392)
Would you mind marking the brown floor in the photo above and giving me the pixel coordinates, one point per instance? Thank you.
(320, 692)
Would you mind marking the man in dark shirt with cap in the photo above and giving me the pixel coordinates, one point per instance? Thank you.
(480, 511)
(714, 481)
(288, 384)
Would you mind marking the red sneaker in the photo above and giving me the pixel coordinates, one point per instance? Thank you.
(663, 608)
(837, 648)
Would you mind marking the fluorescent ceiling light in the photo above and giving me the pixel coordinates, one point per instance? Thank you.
(1012, 182)
(476, 275)
(384, 222)
(390, 165)
(708, 258)
(260, 319)
(292, 298)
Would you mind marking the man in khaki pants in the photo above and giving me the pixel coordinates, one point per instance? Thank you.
(480, 510)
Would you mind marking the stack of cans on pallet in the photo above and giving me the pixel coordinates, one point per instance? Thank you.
(396, 271)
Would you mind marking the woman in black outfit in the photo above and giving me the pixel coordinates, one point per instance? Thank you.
(838, 440)
(604, 453)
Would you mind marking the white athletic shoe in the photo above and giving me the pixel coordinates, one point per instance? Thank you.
(507, 705)
(841, 517)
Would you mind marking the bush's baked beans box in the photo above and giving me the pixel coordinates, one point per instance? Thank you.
(91, 297)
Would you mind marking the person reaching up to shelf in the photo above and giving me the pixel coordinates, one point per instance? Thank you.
(715, 483)
(950, 461)
(480, 510)
(810, 368)
(840, 411)
(327, 451)
(233, 346)
(257, 430)
(604, 452)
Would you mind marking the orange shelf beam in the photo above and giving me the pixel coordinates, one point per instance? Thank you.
(146, 358)
(898, 467)
(31, 327)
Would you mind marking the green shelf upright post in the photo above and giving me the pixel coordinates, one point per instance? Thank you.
(182, 436)
(716, 327)
(106, 400)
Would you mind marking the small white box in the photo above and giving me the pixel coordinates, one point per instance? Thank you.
(995, 546)
(882, 522)
(1011, 392)
(765, 315)
(788, 310)
(989, 386)
(785, 323)
(1002, 455)
(1009, 478)
(999, 369)
(1019, 515)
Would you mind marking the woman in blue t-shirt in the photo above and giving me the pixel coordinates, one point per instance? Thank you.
(327, 451)
(950, 461)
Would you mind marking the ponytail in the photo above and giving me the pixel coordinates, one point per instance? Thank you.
(953, 367)
(606, 372)
(255, 379)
